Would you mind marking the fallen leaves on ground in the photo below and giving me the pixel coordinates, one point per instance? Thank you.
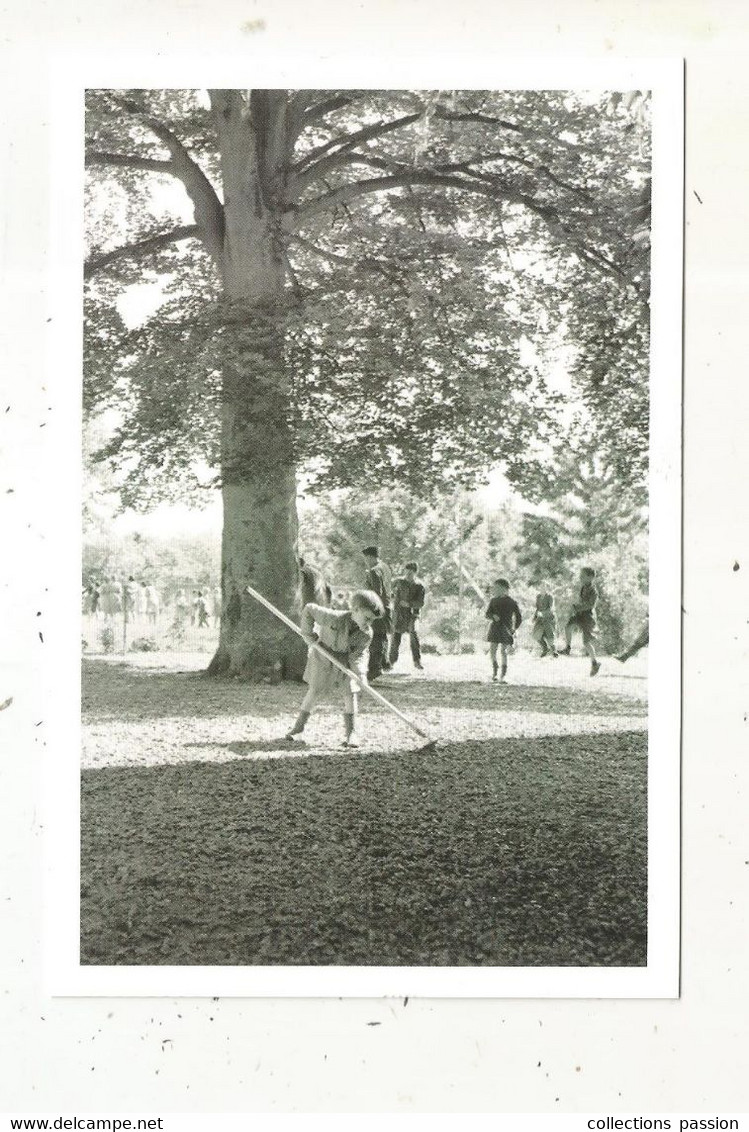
(520, 841)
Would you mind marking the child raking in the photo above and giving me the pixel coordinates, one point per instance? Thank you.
(346, 634)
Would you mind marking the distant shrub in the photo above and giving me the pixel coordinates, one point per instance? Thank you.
(84, 644)
(467, 647)
(429, 648)
(144, 644)
(107, 639)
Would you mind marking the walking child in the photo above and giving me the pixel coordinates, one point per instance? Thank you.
(504, 616)
(545, 623)
(583, 617)
(346, 635)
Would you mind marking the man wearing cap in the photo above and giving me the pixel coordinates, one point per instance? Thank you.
(379, 580)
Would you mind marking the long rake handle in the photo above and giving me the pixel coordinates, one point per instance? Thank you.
(337, 664)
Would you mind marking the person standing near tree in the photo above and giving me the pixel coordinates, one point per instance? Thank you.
(408, 601)
(181, 607)
(142, 600)
(315, 589)
(216, 606)
(379, 580)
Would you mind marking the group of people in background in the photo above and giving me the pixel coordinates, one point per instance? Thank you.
(504, 614)
(131, 599)
(374, 619)
(109, 597)
(505, 618)
(393, 608)
(402, 601)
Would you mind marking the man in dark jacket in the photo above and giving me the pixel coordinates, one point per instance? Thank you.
(408, 601)
(379, 580)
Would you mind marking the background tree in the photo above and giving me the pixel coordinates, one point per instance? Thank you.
(590, 521)
(351, 296)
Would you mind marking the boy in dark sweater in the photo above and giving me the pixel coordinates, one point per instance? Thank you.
(408, 601)
(504, 616)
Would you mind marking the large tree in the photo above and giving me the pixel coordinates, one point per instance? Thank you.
(351, 296)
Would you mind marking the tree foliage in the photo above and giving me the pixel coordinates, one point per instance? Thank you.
(427, 239)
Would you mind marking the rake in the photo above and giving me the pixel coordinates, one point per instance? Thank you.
(372, 692)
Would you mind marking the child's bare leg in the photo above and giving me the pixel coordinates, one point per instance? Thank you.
(503, 673)
(493, 655)
(590, 650)
(308, 704)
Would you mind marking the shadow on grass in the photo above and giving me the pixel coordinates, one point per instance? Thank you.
(122, 693)
(255, 746)
(622, 676)
(503, 852)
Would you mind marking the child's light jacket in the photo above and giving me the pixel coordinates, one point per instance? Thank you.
(337, 631)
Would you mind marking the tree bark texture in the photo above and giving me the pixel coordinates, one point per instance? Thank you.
(258, 469)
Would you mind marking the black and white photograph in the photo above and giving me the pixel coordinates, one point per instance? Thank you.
(365, 555)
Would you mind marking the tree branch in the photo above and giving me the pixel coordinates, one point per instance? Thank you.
(209, 212)
(486, 120)
(326, 106)
(129, 161)
(140, 247)
(398, 181)
(347, 142)
(483, 184)
(331, 257)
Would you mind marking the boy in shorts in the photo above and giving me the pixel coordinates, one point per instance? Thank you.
(583, 617)
(504, 614)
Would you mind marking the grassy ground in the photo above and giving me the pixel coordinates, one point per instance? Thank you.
(520, 841)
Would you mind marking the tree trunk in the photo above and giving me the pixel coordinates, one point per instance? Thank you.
(258, 469)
